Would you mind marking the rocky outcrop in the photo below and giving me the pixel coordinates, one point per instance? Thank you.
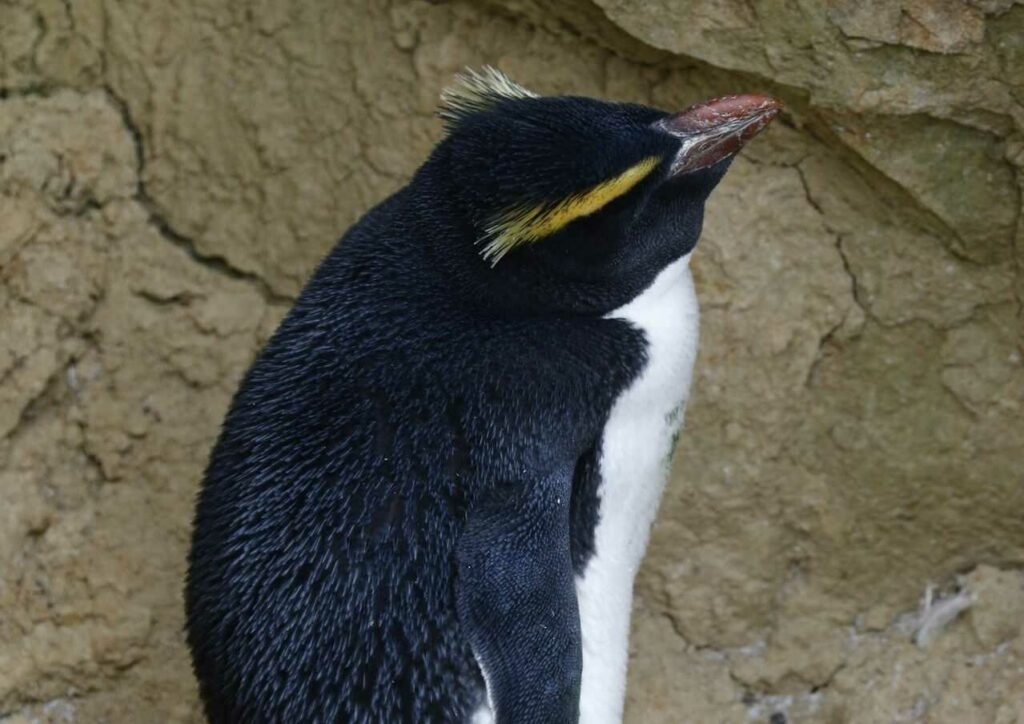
(171, 172)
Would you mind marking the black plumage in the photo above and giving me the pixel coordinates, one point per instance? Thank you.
(405, 479)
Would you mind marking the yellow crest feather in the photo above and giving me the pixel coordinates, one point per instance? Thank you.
(525, 225)
(477, 90)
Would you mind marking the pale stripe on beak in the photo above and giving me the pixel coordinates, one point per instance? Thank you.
(716, 129)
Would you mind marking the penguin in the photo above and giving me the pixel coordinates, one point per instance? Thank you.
(433, 488)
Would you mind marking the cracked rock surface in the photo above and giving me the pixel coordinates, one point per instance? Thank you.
(171, 172)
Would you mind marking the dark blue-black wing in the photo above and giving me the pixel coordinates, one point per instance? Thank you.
(517, 600)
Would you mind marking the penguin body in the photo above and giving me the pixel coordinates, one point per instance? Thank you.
(632, 463)
(635, 455)
(433, 488)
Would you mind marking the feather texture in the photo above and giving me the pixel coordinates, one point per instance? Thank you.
(523, 225)
(477, 90)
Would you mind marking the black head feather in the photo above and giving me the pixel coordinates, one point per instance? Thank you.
(565, 203)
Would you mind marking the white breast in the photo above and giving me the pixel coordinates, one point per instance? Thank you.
(636, 451)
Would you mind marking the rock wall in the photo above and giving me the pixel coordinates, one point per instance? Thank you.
(170, 173)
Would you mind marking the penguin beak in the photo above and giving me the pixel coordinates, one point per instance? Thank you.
(717, 129)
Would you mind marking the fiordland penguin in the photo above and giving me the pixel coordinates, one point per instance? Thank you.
(434, 486)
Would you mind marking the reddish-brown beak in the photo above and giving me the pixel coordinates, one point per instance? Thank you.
(716, 129)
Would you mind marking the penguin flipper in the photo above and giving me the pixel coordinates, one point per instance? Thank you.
(516, 599)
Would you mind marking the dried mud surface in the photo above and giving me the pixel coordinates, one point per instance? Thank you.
(171, 172)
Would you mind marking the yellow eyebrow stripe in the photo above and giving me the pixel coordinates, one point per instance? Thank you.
(528, 224)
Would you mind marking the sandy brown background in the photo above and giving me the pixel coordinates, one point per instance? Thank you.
(172, 170)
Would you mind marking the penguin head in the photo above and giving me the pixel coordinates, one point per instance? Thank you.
(577, 202)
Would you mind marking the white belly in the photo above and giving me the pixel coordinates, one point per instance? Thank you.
(636, 451)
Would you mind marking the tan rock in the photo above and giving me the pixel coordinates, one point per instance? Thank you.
(997, 615)
(170, 173)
